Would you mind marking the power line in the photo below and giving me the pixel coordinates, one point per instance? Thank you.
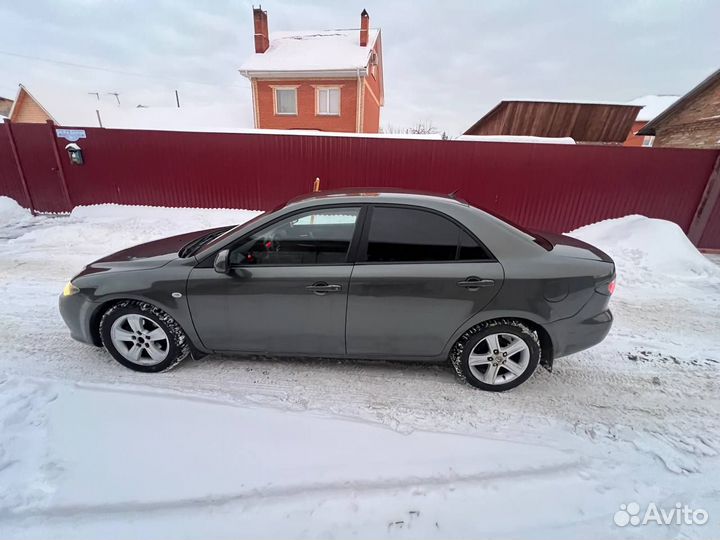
(121, 72)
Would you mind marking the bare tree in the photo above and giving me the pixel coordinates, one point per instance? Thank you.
(424, 127)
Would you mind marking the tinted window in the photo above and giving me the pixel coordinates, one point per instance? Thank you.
(318, 237)
(470, 250)
(408, 235)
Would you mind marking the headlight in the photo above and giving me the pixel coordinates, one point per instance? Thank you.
(70, 289)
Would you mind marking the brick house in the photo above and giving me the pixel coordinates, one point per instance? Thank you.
(693, 121)
(652, 106)
(329, 80)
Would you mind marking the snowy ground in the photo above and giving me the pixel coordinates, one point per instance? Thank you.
(232, 447)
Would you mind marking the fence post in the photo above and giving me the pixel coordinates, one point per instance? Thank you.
(706, 205)
(18, 164)
(58, 162)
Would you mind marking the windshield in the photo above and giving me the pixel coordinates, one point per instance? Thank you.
(221, 237)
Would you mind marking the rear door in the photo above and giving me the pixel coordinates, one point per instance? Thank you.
(419, 276)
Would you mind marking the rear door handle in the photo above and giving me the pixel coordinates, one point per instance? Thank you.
(473, 283)
(321, 288)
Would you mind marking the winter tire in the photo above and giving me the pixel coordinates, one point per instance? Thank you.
(497, 355)
(142, 337)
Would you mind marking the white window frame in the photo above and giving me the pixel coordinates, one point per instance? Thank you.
(275, 100)
(318, 91)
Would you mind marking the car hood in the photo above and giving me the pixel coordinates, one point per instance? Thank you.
(149, 255)
(567, 246)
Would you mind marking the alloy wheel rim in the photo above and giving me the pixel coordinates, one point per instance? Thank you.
(499, 358)
(139, 340)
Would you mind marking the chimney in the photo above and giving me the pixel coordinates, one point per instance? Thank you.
(364, 28)
(262, 35)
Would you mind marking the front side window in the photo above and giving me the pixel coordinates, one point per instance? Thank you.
(316, 237)
(410, 235)
(328, 101)
(285, 100)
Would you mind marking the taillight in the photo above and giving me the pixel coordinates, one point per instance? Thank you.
(606, 287)
(611, 286)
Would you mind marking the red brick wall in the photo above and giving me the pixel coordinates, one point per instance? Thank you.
(632, 139)
(371, 98)
(371, 108)
(307, 117)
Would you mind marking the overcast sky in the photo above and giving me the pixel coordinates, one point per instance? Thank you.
(445, 62)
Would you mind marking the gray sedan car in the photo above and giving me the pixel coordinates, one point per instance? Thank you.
(386, 275)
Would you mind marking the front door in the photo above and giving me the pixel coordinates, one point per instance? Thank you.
(287, 289)
(423, 276)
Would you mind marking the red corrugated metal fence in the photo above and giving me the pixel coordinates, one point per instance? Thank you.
(552, 187)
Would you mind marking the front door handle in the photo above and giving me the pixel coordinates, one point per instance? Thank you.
(321, 287)
(473, 283)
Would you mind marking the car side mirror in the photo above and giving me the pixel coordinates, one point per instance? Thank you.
(222, 261)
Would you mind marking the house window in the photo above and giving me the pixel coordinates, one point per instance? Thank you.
(648, 141)
(286, 100)
(328, 101)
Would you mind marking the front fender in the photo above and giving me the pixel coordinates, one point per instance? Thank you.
(164, 287)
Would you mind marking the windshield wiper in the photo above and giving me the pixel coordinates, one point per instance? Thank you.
(191, 248)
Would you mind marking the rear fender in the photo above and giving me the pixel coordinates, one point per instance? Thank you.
(533, 319)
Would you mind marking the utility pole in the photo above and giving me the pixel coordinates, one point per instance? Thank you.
(177, 98)
(117, 96)
(96, 94)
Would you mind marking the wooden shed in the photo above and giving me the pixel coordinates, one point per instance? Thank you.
(584, 122)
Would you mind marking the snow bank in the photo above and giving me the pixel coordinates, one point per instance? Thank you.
(91, 232)
(111, 212)
(11, 211)
(648, 250)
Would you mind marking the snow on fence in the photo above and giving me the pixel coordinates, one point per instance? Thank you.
(545, 186)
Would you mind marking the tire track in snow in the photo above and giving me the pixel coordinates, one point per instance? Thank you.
(273, 492)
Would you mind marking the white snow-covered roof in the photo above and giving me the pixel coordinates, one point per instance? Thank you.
(528, 139)
(568, 101)
(653, 105)
(326, 51)
(69, 107)
(212, 118)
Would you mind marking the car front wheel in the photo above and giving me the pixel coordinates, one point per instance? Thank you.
(496, 356)
(142, 337)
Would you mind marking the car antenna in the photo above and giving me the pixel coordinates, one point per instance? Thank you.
(453, 193)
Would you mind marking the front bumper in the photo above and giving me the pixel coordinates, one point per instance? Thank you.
(77, 311)
(585, 329)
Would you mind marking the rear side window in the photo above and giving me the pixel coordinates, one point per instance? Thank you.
(470, 250)
(412, 235)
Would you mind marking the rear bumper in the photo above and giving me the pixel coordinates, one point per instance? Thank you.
(76, 311)
(587, 328)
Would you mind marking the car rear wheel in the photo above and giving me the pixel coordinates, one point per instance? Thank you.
(142, 337)
(496, 356)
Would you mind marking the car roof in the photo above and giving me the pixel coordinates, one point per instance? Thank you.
(376, 195)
